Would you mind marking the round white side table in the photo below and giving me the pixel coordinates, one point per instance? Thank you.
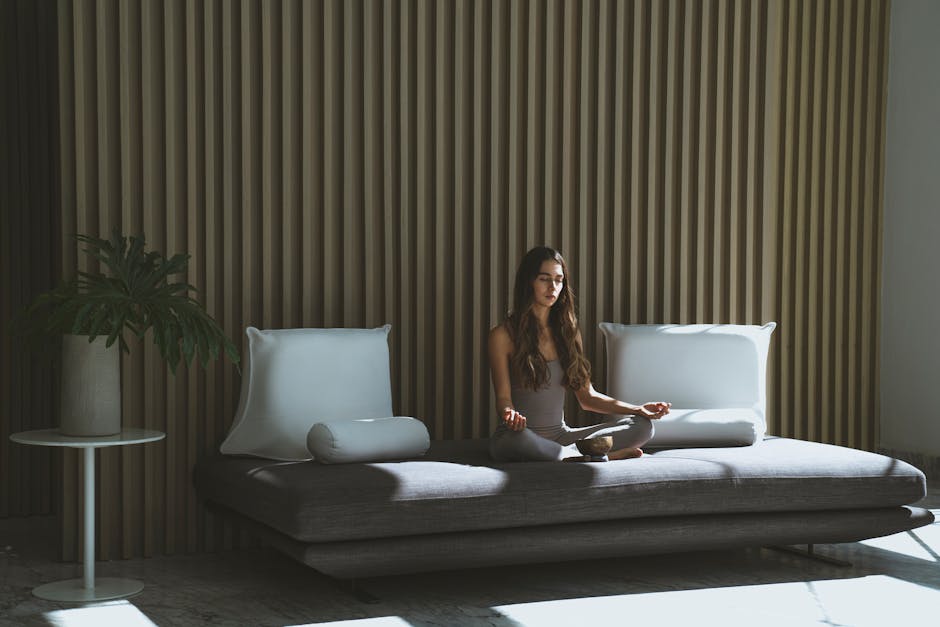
(88, 588)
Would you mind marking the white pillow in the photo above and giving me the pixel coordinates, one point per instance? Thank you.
(713, 374)
(708, 427)
(295, 378)
(368, 440)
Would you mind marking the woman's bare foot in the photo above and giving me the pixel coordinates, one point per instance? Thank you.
(625, 453)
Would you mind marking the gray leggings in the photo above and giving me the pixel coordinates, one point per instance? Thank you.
(507, 445)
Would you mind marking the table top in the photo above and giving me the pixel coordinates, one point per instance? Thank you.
(52, 437)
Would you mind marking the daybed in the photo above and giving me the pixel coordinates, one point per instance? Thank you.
(454, 507)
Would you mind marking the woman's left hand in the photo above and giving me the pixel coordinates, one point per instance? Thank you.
(654, 410)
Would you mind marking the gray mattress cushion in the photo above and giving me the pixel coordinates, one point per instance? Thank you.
(457, 487)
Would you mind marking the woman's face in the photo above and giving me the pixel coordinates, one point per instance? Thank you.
(546, 288)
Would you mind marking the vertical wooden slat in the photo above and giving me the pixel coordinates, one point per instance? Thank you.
(600, 249)
(825, 214)
(516, 197)
(673, 45)
(351, 258)
(332, 203)
(391, 186)
(737, 171)
(496, 158)
(290, 177)
(788, 95)
(465, 345)
(195, 408)
(856, 115)
(212, 108)
(622, 241)
(271, 167)
(753, 181)
(173, 218)
(706, 176)
(231, 200)
(553, 116)
(350, 164)
(132, 375)
(534, 116)
(688, 184)
(108, 178)
(570, 89)
(481, 252)
(407, 158)
(372, 177)
(654, 150)
(424, 172)
(718, 244)
(69, 199)
(100, 148)
(813, 211)
(312, 167)
(442, 213)
(869, 301)
(801, 128)
(880, 30)
(767, 206)
(770, 207)
(251, 163)
(585, 197)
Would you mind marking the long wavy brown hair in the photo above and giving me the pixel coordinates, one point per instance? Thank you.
(527, 365)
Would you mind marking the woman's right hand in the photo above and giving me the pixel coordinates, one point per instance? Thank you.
(513, 419)
(654, 410)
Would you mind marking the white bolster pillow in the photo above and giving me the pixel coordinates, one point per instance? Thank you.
(736, 426)
(368, 440)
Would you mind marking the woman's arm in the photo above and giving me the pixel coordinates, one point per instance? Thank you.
(592, 400)
(500, 349)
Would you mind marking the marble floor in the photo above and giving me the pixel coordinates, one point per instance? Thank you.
(893, 581)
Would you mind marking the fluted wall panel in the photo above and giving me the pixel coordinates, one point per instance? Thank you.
(356, 163)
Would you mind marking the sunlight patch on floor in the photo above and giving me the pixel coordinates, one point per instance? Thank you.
(121, 613)
(930, 536)
(859, 602)
(923, 543)
(875, 601)
(380, 621)
(743, 606)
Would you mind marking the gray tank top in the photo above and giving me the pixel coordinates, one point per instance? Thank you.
(544, 409)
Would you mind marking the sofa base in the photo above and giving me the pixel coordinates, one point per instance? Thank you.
(590, 540)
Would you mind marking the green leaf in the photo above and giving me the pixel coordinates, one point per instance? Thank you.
(132, 292)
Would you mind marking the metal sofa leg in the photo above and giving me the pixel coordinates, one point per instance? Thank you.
(810, 553)
(354, 587)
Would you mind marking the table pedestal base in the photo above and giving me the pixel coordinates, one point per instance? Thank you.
(102, 588)
(74, 590)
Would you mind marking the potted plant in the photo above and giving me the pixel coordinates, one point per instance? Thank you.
(92, 312)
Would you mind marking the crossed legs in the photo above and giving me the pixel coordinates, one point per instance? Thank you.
(629, 433)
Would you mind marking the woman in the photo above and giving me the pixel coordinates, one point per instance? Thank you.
(535, 355)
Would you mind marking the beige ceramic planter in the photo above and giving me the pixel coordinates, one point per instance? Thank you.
(91, 387)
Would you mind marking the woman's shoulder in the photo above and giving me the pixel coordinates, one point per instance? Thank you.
(500, 332)
(499, 336)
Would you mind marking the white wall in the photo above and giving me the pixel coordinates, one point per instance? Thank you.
(910, 333)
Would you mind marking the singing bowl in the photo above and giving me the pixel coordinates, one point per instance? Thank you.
(595, 446)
